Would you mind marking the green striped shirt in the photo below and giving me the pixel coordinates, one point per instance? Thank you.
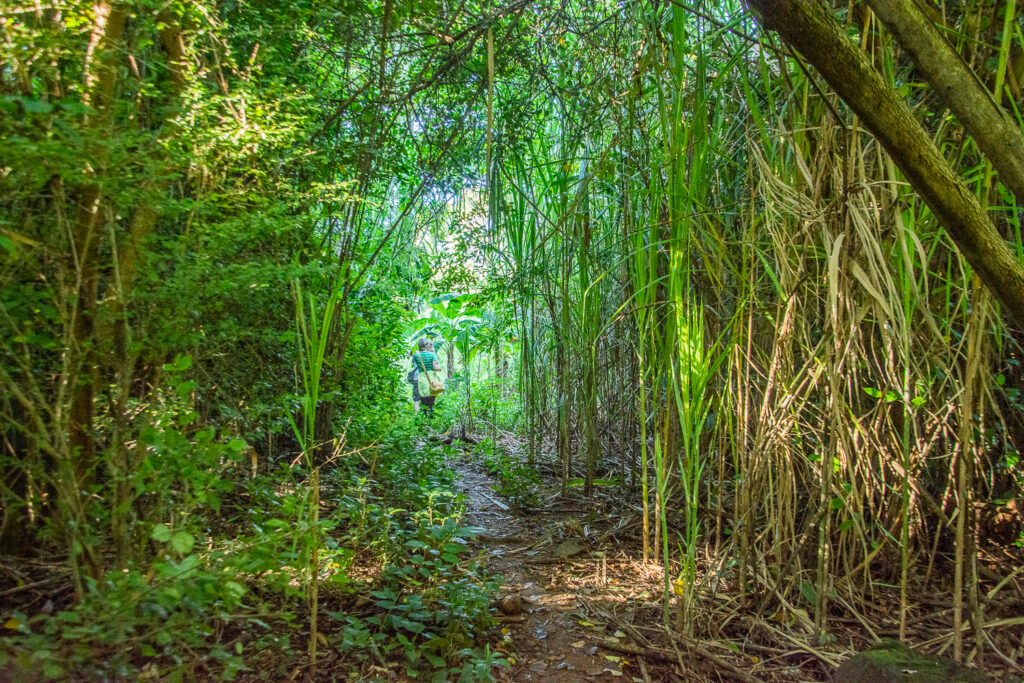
(423, 360)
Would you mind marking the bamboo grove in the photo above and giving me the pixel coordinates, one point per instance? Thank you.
(707, 282)
(730, 298)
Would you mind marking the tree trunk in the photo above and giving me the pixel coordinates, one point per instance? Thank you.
(809, 27)
(996, 135)
(144, 219)
(99, 83)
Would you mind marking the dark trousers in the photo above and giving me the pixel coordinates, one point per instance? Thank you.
(427, 405)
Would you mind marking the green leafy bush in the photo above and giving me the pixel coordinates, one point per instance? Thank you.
(431, 602)
(132, 623)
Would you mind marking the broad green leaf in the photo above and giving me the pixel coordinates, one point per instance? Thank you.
(236, 589)
(182, 541)
(810, 594)
(36, 106)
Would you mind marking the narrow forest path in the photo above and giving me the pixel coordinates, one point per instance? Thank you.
(566, 596)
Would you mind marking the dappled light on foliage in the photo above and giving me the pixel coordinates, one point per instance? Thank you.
(723, 308)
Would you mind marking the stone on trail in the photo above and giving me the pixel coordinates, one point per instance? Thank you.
(569, 548)
(893, 662)
(511, 605)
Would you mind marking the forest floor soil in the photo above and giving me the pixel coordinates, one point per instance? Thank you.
(556, 604)
(578, 604)
(567, 595)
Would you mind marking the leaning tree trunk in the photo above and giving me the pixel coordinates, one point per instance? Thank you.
(995, 133)
(809, 27)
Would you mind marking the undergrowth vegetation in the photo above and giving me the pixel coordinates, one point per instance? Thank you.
(222, 595)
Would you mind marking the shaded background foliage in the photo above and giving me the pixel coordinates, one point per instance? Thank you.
(174, 175)
(170, 170)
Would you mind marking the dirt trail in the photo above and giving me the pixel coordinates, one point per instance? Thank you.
(563, 594)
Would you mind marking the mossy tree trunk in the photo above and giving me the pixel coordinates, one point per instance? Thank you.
(960, 89)
(809, 27)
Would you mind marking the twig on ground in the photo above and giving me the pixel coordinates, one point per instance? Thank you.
(828, 659)
(29, 586)
(948, 637)
(496, 502)
(643, 670)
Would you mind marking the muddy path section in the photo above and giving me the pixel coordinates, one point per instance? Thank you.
(564, 596)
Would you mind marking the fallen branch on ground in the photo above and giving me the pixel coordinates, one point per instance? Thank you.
(665, 656)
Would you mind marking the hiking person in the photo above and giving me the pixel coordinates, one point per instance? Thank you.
(428, 382)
